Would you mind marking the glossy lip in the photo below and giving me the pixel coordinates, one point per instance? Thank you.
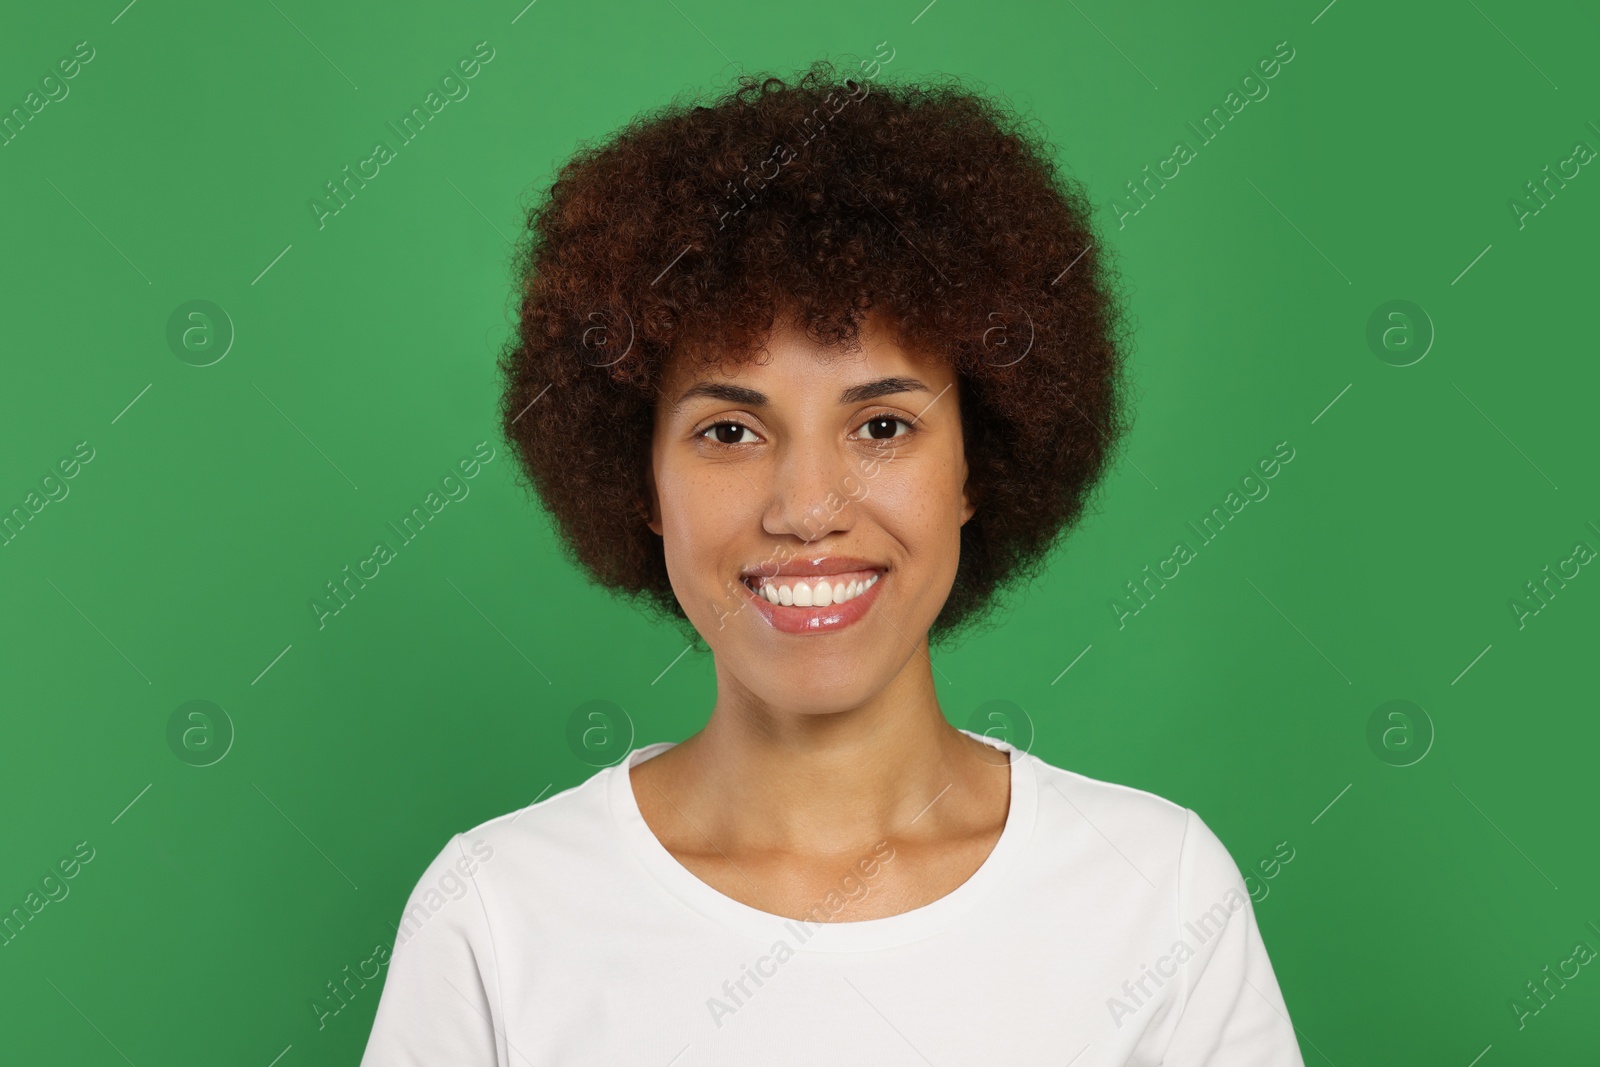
(815, 567)
(794, 620)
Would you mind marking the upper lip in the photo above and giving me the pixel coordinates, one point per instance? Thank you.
(815, 567)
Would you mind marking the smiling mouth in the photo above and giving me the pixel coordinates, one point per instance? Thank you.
(807, 592)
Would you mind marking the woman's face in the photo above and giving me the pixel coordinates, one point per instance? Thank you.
(810, 504)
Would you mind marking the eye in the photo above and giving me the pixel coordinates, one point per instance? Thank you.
(729, 433)
(883, 428)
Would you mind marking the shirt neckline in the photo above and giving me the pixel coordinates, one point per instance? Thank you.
(801, 935)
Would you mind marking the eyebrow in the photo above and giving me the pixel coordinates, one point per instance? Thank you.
(855, 394)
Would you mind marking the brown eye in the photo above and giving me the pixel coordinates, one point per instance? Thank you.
(883, 428)
(728, 433)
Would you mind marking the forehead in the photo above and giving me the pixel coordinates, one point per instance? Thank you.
(791, 364)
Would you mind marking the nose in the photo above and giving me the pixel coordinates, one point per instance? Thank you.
(809, 494)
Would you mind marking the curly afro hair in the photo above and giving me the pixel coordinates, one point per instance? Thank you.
(695, 228)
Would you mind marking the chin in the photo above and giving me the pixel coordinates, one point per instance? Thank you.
(810, 700)
(810, 711)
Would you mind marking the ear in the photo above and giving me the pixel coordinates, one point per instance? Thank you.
(650, 508)
(969, 495)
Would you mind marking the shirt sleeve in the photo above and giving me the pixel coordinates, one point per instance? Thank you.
(1231, 1012)
(440, 1005)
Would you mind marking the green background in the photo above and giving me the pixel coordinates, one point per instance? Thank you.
(1382, 566)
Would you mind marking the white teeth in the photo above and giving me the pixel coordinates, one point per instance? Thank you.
(817, 593)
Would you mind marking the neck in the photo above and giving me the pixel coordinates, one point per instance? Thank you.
(770, 778)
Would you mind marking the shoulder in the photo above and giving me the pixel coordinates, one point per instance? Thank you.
(553, 833)
(1136, 812)
(1160, 838)
(552, 829)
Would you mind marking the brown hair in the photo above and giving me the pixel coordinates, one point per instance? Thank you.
(695, 227)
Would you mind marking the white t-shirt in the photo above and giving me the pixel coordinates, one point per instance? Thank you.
(1107, 927)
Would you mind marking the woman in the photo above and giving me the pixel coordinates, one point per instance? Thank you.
(818, 370)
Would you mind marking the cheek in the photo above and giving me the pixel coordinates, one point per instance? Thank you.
(700, 503)
(702, 514)
(919, 505)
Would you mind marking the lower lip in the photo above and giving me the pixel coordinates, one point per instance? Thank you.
(792, 620)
